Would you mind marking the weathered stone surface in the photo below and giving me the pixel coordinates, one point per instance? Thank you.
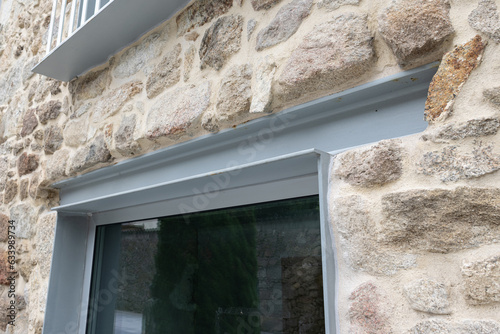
(11, 82)
(473, 128)
(90, 85)
(264, 75)
(124, 137)
(441, 220)
(264, 4)
(251, 25)
(81, 110)
(75, 132)
(192, 36)
(53, 139)
(3, 269)
(493, 95)
(89, 156)
(4, 169)
(10, 191)
(27, 163)
(166, 73)
(199, 13)
(44, 242)
(25, 217)
(485, 19)
(333, 53)
(331, 5)
(48, 111)
(284, 25)
(370, 167)
(185, 104)
(114, 101)
(56, 165)
(220, 41)
(416, 28)
(29, 123)
(366, 311)
(453, 72)
(235, 92)
(437, 326)
(188, 61)
(23, 189)
(482, 281)
(450, 165)
(427, 295)
(136, 57)
(4, 227)
(358, 240)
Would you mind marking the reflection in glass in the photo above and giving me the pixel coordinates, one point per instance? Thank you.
(250, 269)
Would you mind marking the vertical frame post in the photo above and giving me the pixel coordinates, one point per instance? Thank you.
(61, 22)
(51, 27)
(72, 16)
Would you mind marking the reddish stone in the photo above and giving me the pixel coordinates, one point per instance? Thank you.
(29, 123)
(27, 163)
(365, 312)
(451, 75)
(48, 111)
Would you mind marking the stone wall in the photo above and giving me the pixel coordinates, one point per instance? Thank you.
(417, 219)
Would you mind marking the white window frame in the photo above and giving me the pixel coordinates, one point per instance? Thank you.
(280, 156)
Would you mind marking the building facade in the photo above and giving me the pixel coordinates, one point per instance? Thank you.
(268, 88)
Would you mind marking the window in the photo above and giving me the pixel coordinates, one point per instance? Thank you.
(262, 166)
(251, 269)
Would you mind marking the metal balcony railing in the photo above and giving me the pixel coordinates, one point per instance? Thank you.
(81, 12)
(85, 33)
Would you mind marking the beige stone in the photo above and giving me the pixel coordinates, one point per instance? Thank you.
(439, 326)
(188, 61)
(76, 131)
(220, 41)
(262, 90)
(44, 242)
(472, 128)
(331, 5)
(370, 167)
(235, 93)
(199, 13)
(25, 217)
(165, 74)
(90, 85)
(114, 101)
(185, 104)
(124, 137)
(451, 165)
(482, 281)
(90, 156)
(415, 29)
(334, 53)
(453, 72)
(56, 165)
(137, 57)
(440, 220)
(4, 227)
(428, 295)
(485, 19)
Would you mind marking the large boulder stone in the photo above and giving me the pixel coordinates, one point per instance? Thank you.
(453, 72)
(220, 41)
(366, 310)
(48, 111)
(428, 295)
(284, 25)
(440, 220)
(201, 12)
(136, 57)
(166, 73)
(76, 131)
(53, 139)
(333, 53)
(331, 5)
(416, 28)
(30, 122)
(24, 217)
(482, 281)
(56, 165)
(263, 94)
(485, 19)
(370, 167)
(89, 156)
(264, 4)
(472, 128)
(451, 165)
(235, 92)
(174, 111)
(27, 163)
(90, 85)
(358, 239)
(438, 326)
(114, 101)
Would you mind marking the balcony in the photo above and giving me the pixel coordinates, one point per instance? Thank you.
(85, 33)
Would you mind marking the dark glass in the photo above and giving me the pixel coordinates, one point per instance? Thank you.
(250, 269)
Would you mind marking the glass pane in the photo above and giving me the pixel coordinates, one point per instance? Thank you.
(250, 269)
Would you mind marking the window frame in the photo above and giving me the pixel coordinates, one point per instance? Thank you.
(280, 156)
